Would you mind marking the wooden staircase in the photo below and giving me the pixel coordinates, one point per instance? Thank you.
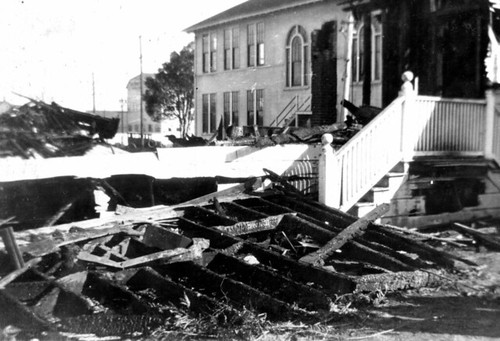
(382, 192)
(373, 167)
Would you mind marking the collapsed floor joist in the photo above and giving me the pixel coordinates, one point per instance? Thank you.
(215, 255)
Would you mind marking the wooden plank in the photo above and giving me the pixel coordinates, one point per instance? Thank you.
(7, 234)
(259, 225)
(45, 247)
(488, 241)
(396, 281)
(88, 257)
(4, 281)
(355, 229)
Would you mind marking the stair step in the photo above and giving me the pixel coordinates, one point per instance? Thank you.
(377, 195)
(361, 209)
(390, 179)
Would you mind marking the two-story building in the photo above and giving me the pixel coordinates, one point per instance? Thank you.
(265, 62)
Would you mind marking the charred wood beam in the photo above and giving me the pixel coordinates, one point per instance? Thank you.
(19, 315)
(270, 282)
(228, 290)
(9, 241)
(15, 274)
(329, 282)
(113, 296)
(207, 217)
(242, 212)
(346, 235)
(396, 281)
(490, 242)
(248, 227)
(353, 249)
(336, 218)
(170, 292)
(218, 239)
(426, 252)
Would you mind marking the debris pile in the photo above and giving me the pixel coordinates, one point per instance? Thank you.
(41, 130)
(220, 257)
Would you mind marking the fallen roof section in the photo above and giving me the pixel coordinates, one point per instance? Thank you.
(217, 256)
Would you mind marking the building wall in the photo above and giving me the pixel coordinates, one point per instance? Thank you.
(272, 76)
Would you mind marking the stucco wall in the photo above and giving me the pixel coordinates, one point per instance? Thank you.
(271, 76)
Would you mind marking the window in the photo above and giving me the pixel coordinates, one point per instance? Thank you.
(296, 57)
(377, 47)
(209, 52)
(231, 49)
(129, 128)
(231, 105)
(358, 50)
(209, 113)
(255, 107)
(255, 45)
(157, 128)
(136, 128)
(150, 128)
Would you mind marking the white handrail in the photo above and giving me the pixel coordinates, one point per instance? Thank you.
(408, 126)
(370, 154)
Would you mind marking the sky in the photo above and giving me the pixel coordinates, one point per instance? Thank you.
(67, 50)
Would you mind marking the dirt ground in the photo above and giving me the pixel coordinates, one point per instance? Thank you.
(466, 306)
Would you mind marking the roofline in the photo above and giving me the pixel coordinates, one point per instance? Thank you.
(201, 26)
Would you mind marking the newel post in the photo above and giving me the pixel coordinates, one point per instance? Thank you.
(330, 176)
(489, 122)
(408, 128)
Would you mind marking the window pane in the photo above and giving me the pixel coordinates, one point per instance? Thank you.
(288, 66)
(250, 108)
(235, 107)
(205, 113)
(236, 48)
(296, 61)
(227, 49)
(260, 56)
(361, 49)
(260, 44)
(213, 113)
(260, 107)
(205, 51)
(354, 59)
(378, 58)
(251, 53)
(236, 58)
(213, 52)
(227, 109)
(304, 67)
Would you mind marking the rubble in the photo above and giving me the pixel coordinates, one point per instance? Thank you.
(41, 130)
(219, 257)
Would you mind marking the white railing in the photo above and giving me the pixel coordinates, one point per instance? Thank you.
(368, 156)
(449, 126)
(410, 126)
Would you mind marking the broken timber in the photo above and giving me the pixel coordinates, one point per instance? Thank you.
(488, 241)
(259, 225)
(355, 229)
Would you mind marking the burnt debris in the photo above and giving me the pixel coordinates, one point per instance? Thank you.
(42, 130)
(217, 257)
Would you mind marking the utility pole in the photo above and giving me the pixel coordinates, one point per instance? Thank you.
(93, 93)
(140, 97)
(122, 102)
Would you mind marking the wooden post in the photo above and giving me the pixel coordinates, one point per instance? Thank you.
(489, 126)
(7, 234)
(330, 176)
(408, 129)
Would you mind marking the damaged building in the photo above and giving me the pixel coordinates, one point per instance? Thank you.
(281, 229)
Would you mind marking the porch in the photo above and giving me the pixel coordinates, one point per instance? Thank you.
(433, 130)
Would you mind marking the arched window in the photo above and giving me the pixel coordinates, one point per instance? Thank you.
(358, 50)
(296, 57)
